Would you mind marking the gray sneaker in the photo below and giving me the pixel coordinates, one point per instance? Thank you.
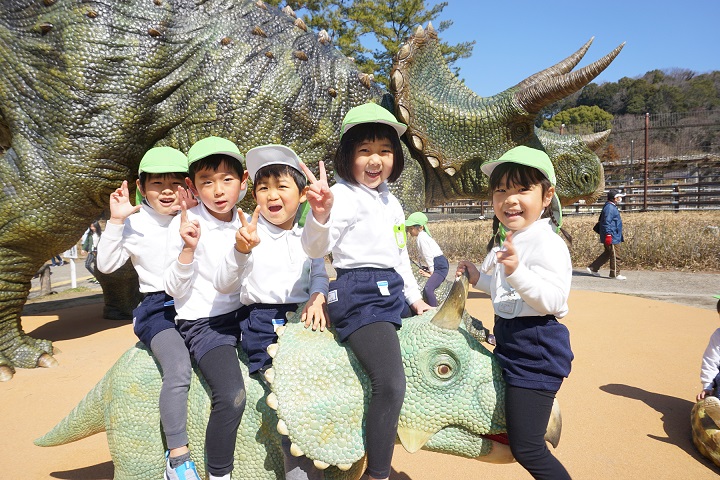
(619, 277)
(186, 471)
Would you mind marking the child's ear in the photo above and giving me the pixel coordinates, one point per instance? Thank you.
(191, 186)
(243, 182)
(548, 196)
(303, 194)
(138, 185)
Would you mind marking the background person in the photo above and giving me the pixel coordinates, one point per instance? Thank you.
(435, 263)
(611, 235)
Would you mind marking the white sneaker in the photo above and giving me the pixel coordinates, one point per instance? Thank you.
(619, 277)
(592, 272)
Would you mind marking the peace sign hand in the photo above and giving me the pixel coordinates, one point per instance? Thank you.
(189, 231)
(246, 238)
(120, 206)
(319, 195)
(184, 195)
(507, 255)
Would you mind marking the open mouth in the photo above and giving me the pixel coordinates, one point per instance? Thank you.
(513, 214)
(166, 202)
(274, 208)
(373, 175)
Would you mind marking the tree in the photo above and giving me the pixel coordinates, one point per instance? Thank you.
(371, 31)
(585, 119)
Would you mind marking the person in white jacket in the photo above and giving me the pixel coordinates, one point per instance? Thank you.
(362, 223)
(138, 233)
(271, 272)
(710, 368)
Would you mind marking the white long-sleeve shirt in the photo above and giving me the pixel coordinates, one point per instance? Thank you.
(428, 248)
(191, 285)
(710, 361)
(276, 271)
(540, 285)
(141, 238)
(366, 228)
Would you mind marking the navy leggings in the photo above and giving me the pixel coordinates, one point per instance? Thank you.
(527, 413)
(377, 347)
(440, 271)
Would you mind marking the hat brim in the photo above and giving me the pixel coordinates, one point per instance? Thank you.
(400, 128)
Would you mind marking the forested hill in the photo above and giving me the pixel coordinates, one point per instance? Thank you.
(658, 91)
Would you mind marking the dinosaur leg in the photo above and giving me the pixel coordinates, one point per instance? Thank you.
(16, 348)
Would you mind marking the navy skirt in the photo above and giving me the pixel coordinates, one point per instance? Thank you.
(361, 296)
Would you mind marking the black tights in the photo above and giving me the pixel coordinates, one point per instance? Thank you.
(221, 370)
(377, 348)
(527, 413)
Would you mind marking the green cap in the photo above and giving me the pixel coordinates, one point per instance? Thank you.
(716, 296)
(417, 218)
(163, 160)
(530, 157)
(371, 113)
(214, 146)
(265, 155)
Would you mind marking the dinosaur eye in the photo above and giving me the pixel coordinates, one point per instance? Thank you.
(444, 367)
(443, 370)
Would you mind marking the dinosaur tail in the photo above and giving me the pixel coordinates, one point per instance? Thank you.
(86, 419)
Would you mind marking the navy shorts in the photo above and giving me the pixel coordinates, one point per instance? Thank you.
(154, 314)
(534, 352)
(204, 334)
(361, 296)
(258, 323)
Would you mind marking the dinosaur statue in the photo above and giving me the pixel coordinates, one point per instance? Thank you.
(87, 87)
(706, 428)
(454, 401)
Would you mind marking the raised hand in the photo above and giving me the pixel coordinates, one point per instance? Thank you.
(319, 195)
(189, 231)
(184, 195)
(120, 206)
(246, 238)
(507, 255)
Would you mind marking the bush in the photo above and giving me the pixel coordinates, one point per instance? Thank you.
(687, 240)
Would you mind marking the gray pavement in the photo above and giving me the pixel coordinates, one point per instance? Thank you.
(692, 289)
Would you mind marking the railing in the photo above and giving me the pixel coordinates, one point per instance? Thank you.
(675, 196)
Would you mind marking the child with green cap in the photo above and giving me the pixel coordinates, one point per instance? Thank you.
(207, 319)
(528, 278)
(710, 368)
(366, 234)
(436, 264)
(140, 237)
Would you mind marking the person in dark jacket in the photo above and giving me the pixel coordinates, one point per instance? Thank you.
(611, 235)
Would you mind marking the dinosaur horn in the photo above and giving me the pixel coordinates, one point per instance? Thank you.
(450, 313)
(551, 89)
(559, 68)
(595, 140)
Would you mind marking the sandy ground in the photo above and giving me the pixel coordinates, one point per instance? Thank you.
(625, 406)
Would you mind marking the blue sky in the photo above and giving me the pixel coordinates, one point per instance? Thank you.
(517, 38)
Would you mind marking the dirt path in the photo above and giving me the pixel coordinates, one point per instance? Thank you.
(625, 406)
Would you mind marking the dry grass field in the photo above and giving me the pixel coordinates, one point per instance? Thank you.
(683, 241)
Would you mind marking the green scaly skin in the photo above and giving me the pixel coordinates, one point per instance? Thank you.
(87, 87)
(455, 394)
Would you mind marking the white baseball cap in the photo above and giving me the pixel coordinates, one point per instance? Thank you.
(273, 154)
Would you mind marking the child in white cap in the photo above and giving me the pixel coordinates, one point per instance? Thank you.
(270, 270)
(138, 233)
(528, 278)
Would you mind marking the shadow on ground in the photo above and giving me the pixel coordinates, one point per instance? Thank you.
(675, 417)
